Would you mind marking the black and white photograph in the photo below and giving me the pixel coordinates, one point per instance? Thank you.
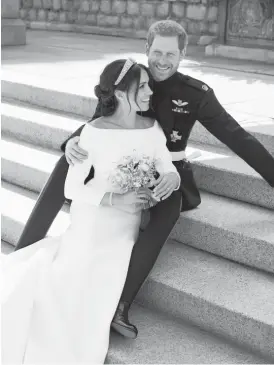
(137, 153)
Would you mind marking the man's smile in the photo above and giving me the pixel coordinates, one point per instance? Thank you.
(162, 68)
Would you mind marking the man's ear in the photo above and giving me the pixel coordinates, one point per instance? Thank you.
(182, 54)
(147, 49)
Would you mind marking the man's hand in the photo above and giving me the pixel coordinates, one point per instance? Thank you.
(74, 153)
(153, 202)
(165, 185)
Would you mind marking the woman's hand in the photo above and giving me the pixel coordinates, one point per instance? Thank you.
(131, 208)
(141, 196)
(132, 201)
(74, 153)
(165, 185)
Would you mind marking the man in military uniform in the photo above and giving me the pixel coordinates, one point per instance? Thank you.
(177, 102)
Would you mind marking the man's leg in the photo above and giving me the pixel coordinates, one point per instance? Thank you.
(149, 244)
(190, 194)
(144, 255)
(47, 206)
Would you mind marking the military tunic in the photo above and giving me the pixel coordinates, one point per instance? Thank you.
(181, 100)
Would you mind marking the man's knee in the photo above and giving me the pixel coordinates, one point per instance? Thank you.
(175, 204)
(169, 209)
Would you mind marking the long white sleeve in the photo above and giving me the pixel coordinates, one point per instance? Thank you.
(164, 163)
(74, 186)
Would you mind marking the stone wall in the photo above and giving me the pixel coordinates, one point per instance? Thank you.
(122, 17)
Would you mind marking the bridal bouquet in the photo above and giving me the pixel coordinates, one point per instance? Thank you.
(134, 172)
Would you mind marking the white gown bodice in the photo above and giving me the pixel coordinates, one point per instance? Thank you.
(105, 149)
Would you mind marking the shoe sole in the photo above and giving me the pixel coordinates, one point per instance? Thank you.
(123, 331)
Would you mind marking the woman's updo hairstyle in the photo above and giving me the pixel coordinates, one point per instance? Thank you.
(105, 89)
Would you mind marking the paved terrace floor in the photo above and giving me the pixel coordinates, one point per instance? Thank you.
(72, 62)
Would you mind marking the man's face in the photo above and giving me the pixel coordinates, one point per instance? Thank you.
(164, 57)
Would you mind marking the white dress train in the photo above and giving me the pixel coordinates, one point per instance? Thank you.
(60, 294)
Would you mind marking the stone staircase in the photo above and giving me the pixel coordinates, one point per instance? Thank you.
(210, 296)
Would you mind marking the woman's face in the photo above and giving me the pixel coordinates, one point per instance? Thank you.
(141, 101)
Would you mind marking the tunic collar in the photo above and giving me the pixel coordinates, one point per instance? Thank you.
(166, 85)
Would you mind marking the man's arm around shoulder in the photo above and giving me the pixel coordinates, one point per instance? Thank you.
(77, 133)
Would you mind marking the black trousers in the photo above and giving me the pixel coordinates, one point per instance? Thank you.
(48, 205)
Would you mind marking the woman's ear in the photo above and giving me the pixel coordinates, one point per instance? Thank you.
(119, 94)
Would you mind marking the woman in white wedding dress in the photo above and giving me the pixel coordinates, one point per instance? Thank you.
(60, 294)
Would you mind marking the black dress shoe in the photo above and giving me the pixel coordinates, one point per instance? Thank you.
(120, 322)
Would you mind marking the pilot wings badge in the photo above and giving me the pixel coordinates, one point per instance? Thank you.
(180, 106)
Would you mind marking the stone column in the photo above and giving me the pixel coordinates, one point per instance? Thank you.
(13, 29)
(222, 19)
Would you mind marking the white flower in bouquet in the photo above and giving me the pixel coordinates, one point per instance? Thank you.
(133, 172)
(144, 167)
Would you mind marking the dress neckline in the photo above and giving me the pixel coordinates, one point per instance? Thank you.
(121, 129)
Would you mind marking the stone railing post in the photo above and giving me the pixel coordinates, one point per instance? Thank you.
(13, 29)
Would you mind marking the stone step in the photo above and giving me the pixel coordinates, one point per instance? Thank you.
(221, 296)
(17, 205)
(246, 237)
(261, 127)
(45, 94)
(162, 340)
(221, 172)
(27, 165)
(215, 169)
(38, 126)
(234, 230)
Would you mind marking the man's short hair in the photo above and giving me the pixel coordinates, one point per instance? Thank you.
(168, 28)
